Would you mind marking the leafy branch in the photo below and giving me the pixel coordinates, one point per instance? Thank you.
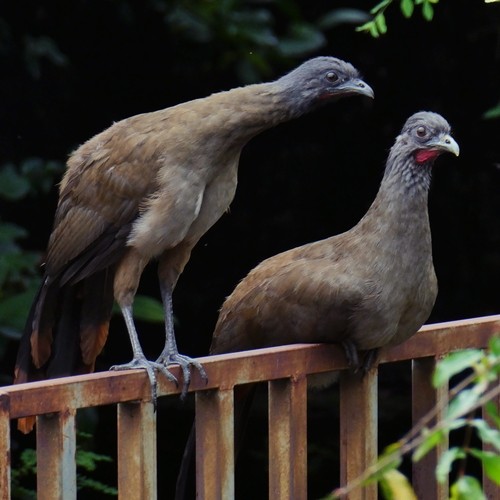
(475, 391)
(378, 26)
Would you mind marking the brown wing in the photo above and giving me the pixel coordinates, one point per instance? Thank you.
(107, 179)
(288, 299)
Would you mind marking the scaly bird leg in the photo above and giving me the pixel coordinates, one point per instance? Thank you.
(170, 354)
(139, 360)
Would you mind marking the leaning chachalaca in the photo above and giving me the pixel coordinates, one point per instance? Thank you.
(369, 287)
(148, 188)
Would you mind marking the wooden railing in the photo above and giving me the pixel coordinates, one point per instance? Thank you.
(56, 402)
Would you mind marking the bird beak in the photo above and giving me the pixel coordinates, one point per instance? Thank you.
(356, 86)
(446, 143)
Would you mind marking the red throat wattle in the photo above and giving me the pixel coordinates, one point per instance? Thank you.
(423, 155)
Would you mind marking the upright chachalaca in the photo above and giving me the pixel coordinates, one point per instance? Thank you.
(148, 188)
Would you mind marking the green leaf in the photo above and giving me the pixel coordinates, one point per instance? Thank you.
(462, 403)
(467, 488)
(393, 452)
(446, 461)
(428, 11)
(492, 113)
(148, 309)
(493, 412)
(491, 463)
(12, 185)
(455, 363)
(432, 439)
(381, 24)
(407, 7)
(494, 343)
(380, 6)
(486, 433)
(13, 313)
(395, 486)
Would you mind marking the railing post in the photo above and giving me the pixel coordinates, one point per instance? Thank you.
(358, 429)
(4, 447)
(288, 438)
(137, 451)
(215, 444)
(56, 456)
(424, 398)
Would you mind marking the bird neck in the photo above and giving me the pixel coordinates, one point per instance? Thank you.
(400, 207)
(246, 111)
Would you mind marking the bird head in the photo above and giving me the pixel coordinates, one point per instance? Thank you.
(323, 79)
(426, 135)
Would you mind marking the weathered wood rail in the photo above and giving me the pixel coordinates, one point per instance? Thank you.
(285, 369)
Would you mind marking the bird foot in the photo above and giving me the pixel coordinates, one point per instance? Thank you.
(369, 360)
(351, 353)
(185, 362)
(150, 367)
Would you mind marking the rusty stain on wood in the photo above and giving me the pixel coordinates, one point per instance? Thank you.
(288, 438)
(358, 429)
(4, 447)
(56, 452)
(137, 450)
(215, 444)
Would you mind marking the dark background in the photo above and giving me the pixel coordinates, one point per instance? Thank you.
(69, 69)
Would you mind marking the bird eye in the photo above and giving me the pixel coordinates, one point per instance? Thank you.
(421, 131)
(332, 76)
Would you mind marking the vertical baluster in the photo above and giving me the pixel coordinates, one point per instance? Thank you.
(358, 429)
(56, 449)
(215, 443)
(4, 447)
(288, 438)
(424, 398)
(137, 451)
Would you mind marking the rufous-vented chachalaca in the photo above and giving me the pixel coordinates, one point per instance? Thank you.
(369, 287)
(148, 188)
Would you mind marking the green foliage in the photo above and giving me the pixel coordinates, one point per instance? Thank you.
(377, 25)
(250, 35)
(477, 390)
(86, 462)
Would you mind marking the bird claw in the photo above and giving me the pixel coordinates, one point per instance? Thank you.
(150, 367)
(185, 362)
(351, 353)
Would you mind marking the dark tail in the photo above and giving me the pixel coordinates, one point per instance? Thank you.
(66, 329)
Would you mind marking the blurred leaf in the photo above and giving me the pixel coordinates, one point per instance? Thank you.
(494, 343)
(395, 486)
(11, 232)
(427, 11)
(467, 488)
(381, 24)
(13, 313)
(491, 463)
(148, 309)
(407, 7)
(462, 403)
(381, 6)
(341, 16)
(493, 412)
(12, 185)
(455, 363)
(38, 48)
(486, 433)
(302, 39)
(432, 439)
(446, 461)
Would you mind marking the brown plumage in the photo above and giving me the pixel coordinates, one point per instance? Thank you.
(149, 187)
(369, 287)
